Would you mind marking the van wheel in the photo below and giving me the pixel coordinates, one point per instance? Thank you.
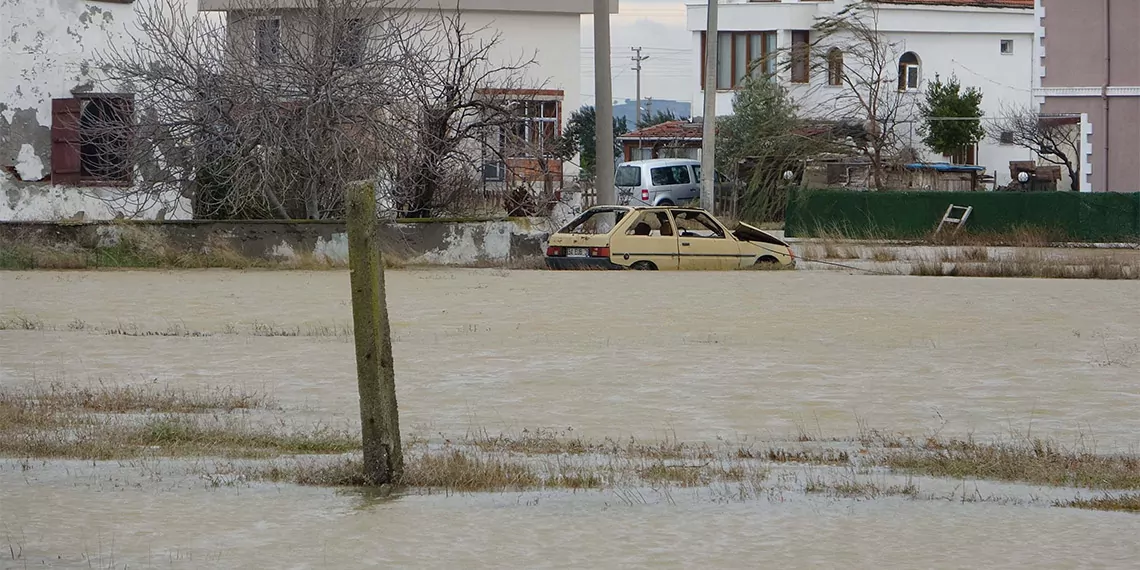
(666, 203)
(643, 266)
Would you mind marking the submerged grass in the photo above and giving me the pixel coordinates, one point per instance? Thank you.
(119, 399)
(87, 437)
(1128, 503)
(854, 489)
(1036, 462)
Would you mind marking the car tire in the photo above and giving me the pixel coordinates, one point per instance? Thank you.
(767, 262)
(643, 266)
(666, 203)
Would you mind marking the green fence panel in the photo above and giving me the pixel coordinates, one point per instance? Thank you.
(1101, 217)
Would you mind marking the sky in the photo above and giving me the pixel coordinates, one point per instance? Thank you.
(658, 26)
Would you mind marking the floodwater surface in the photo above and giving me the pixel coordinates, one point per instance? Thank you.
(703, 357)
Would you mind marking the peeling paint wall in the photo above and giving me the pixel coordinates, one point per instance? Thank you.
(48, 51)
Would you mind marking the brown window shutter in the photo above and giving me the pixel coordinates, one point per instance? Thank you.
(65, 163)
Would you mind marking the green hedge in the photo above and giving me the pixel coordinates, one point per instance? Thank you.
(1099, 217)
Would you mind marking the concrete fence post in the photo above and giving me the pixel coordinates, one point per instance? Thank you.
(376, 378)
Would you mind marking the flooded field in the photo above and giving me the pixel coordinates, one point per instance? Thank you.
(700, 357)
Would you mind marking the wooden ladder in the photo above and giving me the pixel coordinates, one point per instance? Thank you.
(958, 221)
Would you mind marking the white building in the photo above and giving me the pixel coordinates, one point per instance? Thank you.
(49, 75)
(988, 45)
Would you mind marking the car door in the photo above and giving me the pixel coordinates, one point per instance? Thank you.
(696, 192)
(670, 183)
(650, 239)
(703, 243)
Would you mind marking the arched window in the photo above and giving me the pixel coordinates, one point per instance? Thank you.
(909, 67)
(835, 67)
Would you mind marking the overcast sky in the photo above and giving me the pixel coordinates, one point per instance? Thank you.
(658, 26)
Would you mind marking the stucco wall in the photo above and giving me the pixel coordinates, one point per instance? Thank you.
(960, 41)
(1088, 45)
(432, 243)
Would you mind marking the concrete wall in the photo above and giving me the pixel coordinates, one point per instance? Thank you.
(949, 40)
(432, 243)
(1089, 56)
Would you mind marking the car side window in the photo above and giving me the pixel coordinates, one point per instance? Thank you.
(680, 174)
(669, 175)
(697, 224)
(651, 224)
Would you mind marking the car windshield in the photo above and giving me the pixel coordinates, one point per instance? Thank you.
(595, 221)
(628, 176)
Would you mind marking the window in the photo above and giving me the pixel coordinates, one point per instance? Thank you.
(1007, 47)
(90, 139)
(494, 171)
(595, 221)
(740, 54)
(535, 129)
(651, 224)
(1006, 137)
(909, 72)
(628, 176)
(268, 41)
(835, 67)
(669, 175)
(801, 56)
(718, 177)
(697, 224)
(350, 48)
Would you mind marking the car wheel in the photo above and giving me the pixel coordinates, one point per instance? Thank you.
(767, 262)
(643, 266)
(666, 203)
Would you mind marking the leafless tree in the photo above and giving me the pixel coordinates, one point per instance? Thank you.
(1054, 139)
(454, 117)
(870, 95)
(272, 112)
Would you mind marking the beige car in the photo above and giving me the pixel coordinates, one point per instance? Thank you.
(652, 238)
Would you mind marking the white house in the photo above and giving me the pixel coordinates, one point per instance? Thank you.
(49, 77)
(987, 44)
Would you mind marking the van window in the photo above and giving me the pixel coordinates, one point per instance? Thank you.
(669, 175)
(628, 176)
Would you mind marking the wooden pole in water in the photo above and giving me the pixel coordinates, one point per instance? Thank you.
(376, 377)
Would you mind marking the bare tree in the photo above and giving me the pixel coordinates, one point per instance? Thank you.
(452, 117)
(1054, 139)
(874, 94)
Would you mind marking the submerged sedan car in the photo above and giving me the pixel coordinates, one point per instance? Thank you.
(652, 238)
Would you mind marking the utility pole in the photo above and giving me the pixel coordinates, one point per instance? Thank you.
(604, 106)
(708, 138)
(637, 59)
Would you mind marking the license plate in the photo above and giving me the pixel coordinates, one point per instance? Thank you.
(577, 252)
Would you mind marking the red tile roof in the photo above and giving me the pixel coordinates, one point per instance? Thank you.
(974, 3)
(670, 130)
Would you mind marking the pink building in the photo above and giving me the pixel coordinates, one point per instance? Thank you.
(1090, 66)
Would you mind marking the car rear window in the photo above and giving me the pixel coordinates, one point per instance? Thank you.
(595, 221)
(628, 176)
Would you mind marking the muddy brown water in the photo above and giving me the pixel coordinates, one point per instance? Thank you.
(699, 356)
